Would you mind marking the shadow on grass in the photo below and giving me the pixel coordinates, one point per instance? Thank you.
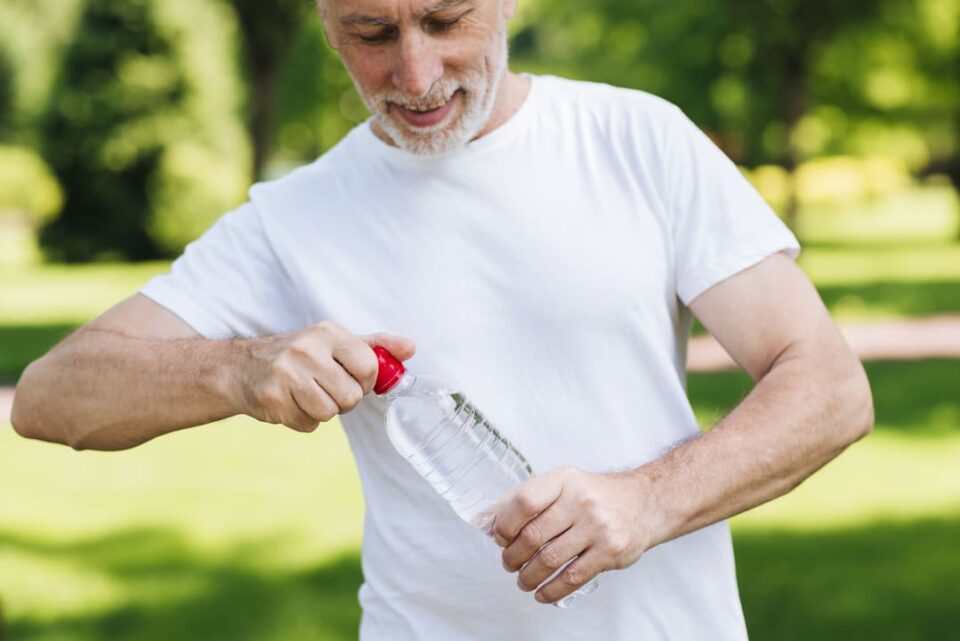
(172, 591)
(20, 344)
(911, 396)
(906, 298)
(880, 582)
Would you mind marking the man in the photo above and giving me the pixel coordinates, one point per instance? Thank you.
(545, 242)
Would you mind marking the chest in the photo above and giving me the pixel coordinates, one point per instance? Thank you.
(461, 260)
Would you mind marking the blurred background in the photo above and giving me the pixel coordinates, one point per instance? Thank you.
(128, 126)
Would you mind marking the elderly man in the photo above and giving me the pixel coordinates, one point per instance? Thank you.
(546, 242)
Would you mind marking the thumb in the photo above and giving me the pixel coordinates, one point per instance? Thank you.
(400, 347)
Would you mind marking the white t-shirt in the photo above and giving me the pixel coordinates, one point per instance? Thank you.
(545, 270)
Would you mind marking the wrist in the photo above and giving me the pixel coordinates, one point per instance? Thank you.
(225, 376)
(658, 516)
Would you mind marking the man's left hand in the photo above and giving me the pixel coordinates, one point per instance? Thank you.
(601, 519)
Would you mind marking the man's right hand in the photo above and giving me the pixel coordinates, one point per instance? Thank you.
(138, 371)
(307, 377)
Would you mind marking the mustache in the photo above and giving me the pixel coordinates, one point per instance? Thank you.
(439, 94)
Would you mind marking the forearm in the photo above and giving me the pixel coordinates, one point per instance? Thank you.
(108, 391)
(799, 416)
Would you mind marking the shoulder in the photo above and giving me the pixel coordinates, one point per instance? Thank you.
(630, 128)
(605, 103)
(322, 181)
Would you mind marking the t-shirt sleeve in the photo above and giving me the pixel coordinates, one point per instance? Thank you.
(230, 283)
(720, 224)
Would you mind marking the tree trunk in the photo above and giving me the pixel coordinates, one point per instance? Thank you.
(794, 105)
(263, 100)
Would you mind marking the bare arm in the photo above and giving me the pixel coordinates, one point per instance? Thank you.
(138, 371)
(811, 401)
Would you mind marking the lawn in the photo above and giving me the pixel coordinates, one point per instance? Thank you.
(244, 531)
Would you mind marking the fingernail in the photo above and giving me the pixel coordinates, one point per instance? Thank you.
(539, 597)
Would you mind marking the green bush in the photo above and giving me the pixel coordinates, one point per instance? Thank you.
(27, 186)
(141, 78)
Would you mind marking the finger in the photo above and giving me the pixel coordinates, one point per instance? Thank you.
(314, 401)
(522, 504)
(359, 361)
(297, 418)
(545, 527)
(553, 556)
(338, 384)
(573, 577)
(400, 347)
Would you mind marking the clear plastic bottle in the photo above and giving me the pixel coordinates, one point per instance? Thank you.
(451, 445)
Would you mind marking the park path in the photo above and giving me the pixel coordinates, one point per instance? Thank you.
(932, 337)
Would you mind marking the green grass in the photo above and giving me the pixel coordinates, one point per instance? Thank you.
(914, 216)
(238, 530)
(43, 303)
(244, 531)
(893, 581)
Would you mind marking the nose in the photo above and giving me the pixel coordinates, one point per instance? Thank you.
(418, 67)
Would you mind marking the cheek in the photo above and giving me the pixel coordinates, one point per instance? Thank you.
(372, 70)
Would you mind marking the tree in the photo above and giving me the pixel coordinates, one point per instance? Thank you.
(6, 97)
(141, 79)
(268, 28)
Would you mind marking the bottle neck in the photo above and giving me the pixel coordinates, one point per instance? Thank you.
(406, 382)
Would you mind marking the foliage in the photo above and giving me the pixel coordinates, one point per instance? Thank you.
(140, 77)
(317, 101)
(267, 29)
(31, 34)
(27, 186)
(6, 96)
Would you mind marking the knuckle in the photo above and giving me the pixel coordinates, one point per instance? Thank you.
(525, 502)
(327, 412)
(352, 398)
(550, 557)
(616, 543)
(368, 366)
(572, 577)
(530, 535)
(590, 504)
(329, 326)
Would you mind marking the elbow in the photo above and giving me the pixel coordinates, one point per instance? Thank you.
(18, 418)
(22, 417)
(30, 413)
(856, 400)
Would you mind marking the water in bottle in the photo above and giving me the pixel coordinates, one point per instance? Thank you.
(451, 445)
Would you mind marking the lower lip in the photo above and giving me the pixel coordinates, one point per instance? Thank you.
(427, 118)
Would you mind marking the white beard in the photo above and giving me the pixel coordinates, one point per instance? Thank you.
(478, 97)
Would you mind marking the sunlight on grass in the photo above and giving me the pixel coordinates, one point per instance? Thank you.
(919, 215)
(68, 293)
(215, 485)
(865, 265)
(888, 476)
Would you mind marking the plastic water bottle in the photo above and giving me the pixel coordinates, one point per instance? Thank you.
(451, 445)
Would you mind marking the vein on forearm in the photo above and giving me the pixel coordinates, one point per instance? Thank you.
(113, 390)
(796, 419)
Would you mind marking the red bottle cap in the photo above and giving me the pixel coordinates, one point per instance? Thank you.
(390, 370)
